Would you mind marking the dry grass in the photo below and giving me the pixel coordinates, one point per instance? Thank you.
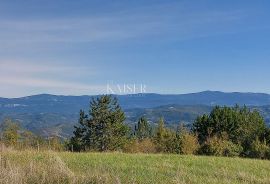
(30, 167)
(46, 169)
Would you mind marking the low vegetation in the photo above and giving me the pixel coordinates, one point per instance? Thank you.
(22, 167)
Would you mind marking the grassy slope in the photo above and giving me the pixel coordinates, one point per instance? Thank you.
(140, 168)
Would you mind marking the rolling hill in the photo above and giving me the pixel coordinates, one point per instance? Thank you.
(52, 114)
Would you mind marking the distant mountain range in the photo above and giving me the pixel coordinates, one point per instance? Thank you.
(52, 114)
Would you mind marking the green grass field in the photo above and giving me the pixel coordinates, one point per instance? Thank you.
(51, 167)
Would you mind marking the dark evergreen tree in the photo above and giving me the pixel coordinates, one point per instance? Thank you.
(104, 129)
(78, 141)
(143, 129)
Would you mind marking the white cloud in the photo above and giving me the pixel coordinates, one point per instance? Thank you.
(50, 84)
(45, 83)
(41, 66)
(20, 75)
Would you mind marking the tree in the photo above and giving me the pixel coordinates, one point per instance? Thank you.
(267, 135)
(10, 132)
(185, 141)
(160, 135)
(241, 125)
(259, 149)
(164, 138)
(103, 129)
(78, 141)
(161, 130)
(143, 129)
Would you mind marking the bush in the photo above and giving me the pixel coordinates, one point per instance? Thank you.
(189, 144)
(259, 149)
(220, 147)
(241, 125)
(140, 146)
(232, 150)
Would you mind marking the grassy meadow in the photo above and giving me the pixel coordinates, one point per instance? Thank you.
(64, 167)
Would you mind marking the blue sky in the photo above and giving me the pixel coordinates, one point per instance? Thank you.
(78, 47)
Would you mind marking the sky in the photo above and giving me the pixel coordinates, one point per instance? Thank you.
(86, 47)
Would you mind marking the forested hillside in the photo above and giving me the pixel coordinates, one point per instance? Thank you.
(56, 115)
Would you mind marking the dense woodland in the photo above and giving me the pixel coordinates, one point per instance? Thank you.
(226, 131)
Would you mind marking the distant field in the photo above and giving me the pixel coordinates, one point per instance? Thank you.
(49, 167)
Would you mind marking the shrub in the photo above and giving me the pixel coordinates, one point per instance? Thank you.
(232, 150)
(220, 147)
(140, 146)
(241, 125)
(259, 149)
(189, 144)
(185, 142)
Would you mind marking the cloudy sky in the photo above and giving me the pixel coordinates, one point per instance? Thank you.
(77, 47)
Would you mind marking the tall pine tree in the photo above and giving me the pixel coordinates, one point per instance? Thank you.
(103, 129)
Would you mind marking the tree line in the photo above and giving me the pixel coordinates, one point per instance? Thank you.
(226, 131)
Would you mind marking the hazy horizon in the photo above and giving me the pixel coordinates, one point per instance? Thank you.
(195, 92)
